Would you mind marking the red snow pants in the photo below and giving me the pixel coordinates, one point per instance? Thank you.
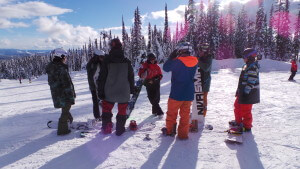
(242, 113)
(184, 108)
(108, 106)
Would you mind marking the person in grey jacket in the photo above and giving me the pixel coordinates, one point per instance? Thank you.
(93, 70)
(116, 83)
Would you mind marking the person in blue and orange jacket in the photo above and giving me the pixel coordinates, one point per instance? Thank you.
(183, 70)
(153, 74)
(294, 69)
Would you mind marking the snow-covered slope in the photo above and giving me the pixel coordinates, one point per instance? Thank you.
(26, 142)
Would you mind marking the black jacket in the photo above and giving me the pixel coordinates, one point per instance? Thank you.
(248, 90)
(93, 70)
(116, 80)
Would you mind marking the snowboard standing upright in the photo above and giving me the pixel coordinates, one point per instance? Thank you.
(198, 103)
(133, 99)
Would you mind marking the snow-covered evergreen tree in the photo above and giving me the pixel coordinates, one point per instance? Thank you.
(240, 40)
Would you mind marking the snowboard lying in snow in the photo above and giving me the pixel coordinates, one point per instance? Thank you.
(234, 135)
(84, 128)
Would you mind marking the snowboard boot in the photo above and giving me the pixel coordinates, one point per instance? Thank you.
(62, 128)
(132, 125)
(106, 123)
(164, 131)
(120, 126)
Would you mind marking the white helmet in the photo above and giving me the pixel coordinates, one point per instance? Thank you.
(60, 52)
(98, 52)
(184, 47)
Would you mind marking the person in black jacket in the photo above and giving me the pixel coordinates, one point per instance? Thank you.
(93, 70)
(116, 83)
(248, 92)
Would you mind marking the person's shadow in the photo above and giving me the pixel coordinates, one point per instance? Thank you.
(92, 153)
(247, 152)
(187, 149)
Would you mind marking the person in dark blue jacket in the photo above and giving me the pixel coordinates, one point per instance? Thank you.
(183, 67)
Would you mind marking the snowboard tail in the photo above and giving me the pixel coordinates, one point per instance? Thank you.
(198, 102)
(234, 133)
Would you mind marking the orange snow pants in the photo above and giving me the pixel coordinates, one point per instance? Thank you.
(242, 113)
(184, 108)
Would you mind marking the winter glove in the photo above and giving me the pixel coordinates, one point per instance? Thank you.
(173, 55)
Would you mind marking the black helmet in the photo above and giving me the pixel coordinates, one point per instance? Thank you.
(151, 56)
(115, 44)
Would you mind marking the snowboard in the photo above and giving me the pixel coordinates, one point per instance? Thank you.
(233, 135)
(88, 125)
(133, 99)
(198, 102)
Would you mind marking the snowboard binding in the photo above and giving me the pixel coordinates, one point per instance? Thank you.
(133, 125)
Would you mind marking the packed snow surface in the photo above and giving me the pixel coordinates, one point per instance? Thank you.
(26, 142)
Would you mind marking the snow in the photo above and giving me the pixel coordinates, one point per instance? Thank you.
(26, 142)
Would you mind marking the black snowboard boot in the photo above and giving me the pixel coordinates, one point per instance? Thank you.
(120, 126)
(62, 128)
(106, 122)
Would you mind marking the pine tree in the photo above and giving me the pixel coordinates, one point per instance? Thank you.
(240, 39)
(202, 27)
(296, 42)
(149, 44)
(259, 35)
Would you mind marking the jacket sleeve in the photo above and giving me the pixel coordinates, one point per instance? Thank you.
(131, 77)
(142, 69)
(167, 67)
(67, 84)
(251, 76)
(205, 63)
(90, 74)
(102, 79)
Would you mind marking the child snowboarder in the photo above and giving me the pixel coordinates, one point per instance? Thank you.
(62, 89)
(294, 68)
(115, 84)
(152, 83)
(93, 70)
(183, 70)
(205, 62)
(248, 92)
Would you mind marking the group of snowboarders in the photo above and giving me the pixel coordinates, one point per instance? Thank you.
(111, 80)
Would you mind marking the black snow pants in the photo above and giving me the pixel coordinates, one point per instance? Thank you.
(96, 110)
(153, 91)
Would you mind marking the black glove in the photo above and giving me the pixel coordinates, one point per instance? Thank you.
(173, 55)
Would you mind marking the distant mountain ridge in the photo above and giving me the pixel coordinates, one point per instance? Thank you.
(14, 53)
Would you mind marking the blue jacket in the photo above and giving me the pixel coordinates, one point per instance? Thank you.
(182, 82)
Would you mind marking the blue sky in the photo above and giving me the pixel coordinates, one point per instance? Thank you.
(47, 24)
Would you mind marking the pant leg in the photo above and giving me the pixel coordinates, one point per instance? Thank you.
(292, 75)
(183, 128)
(107, 114)
(173, 107)
(205, 103)
(237, 111)
(96, 110)
(65, 113)
(247, 115)
(153, 92)
(122, 108)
